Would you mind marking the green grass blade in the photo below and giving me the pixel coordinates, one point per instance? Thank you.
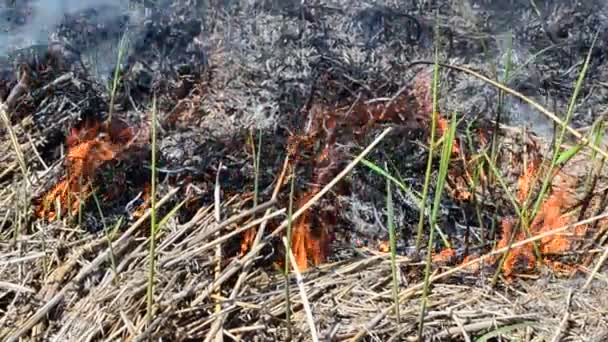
(382, 172)
(560, 137)
(597, 134)
(443, 170)
(566, 155)
(122, 47)
(429, 164)
(169, 215)
(501, 95)
(390, 212)
(415, 197)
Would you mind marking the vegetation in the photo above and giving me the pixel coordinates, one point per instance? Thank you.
(324, 193)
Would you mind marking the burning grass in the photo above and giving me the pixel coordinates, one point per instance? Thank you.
(222, 219)
(317, 157)
(89, 147)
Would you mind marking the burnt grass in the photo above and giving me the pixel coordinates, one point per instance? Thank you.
(315, 83)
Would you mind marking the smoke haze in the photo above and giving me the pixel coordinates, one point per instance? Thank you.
(18, 30)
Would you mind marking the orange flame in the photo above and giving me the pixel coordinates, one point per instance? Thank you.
(549, 217)
(525, 182)
(88, 148)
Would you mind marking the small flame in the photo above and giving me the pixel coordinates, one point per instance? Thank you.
(549, 217)
(89, 147)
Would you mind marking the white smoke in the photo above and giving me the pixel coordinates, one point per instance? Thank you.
(43, 17)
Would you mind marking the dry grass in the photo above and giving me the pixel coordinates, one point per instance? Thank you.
(350, 297)
(345, 296)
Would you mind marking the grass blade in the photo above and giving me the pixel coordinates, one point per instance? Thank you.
(559, 139)
(393, 242)
(122, 47)
(429, 164)
(443, 168)
(501, 96)
(152, 251)
(288, 253)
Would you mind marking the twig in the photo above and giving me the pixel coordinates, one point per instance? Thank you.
(35, 150)
(596, 268)
(216, 333)
(216, 195)
(23, 259)
(305, 303)
(473, 327)
(465, 335)
(15, 287)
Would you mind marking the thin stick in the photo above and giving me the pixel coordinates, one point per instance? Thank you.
(15, 287)
(217, 334)
(564, 322)
(305, 303)
(465, 335)
(217, 195)
(288, 254)
(596, 268)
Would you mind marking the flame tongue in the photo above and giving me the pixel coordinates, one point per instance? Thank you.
(89, 147)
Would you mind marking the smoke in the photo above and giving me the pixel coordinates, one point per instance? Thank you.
(31, 22)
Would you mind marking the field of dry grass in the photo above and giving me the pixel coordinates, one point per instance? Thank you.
(323, 171)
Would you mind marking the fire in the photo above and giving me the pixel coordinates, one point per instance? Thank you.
(442, 125)
(247, 240)
(549, 217)
(525, 182)
(519, 259)
(310, 241)
(445, 256)
(384, 246)
(146, 197)
(89, 147)
(317, 150)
